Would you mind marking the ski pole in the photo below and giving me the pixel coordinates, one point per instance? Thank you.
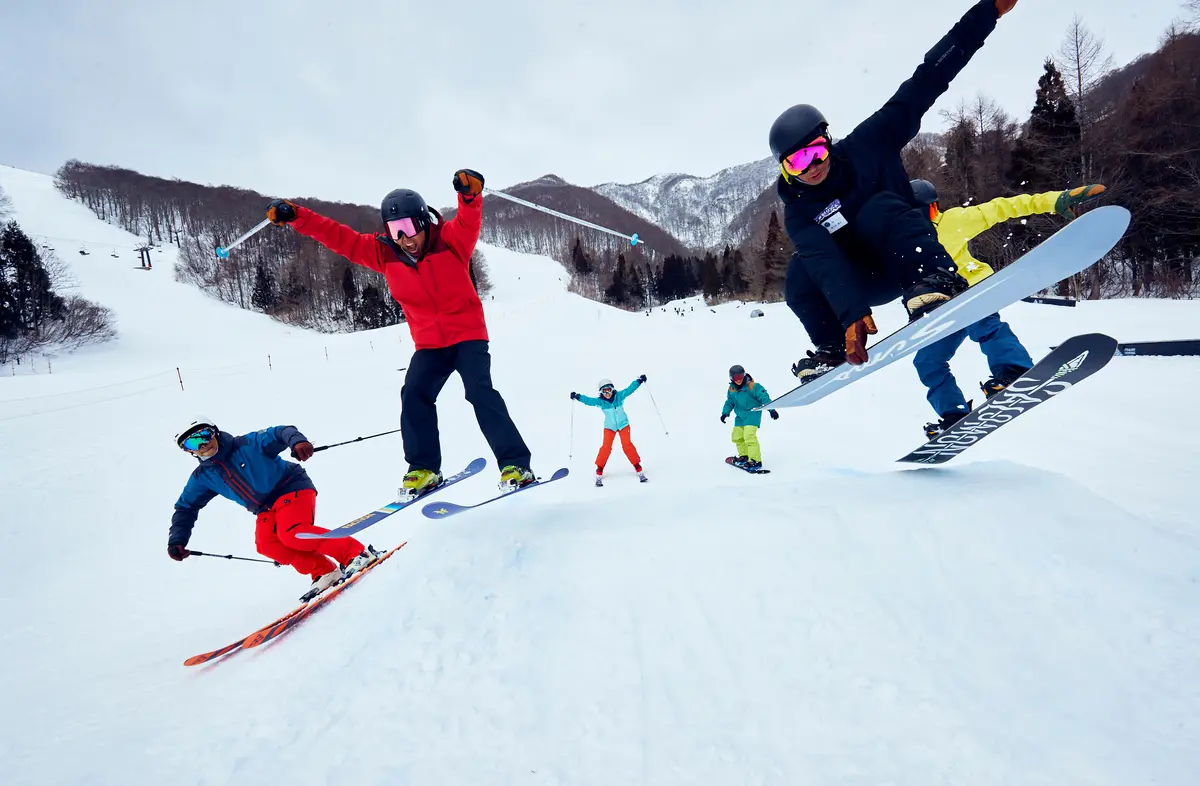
(571, 450)
(223, 251)
(230, 556)
(633, 239)
(660, 417)
(356, 439)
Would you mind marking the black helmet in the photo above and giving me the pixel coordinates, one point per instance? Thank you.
(404, 203)
(924, 191)
(796, 127)
(736, 369)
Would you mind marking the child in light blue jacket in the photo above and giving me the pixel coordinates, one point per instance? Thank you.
(616, 422)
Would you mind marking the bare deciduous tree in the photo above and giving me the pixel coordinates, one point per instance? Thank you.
(1083, 61)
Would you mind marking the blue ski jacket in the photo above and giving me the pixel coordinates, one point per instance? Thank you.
(245, 469)
(615, 418)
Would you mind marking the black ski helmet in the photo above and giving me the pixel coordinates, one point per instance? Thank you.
(924, 191)
(736, 369)
(795, 128)
(404, 203)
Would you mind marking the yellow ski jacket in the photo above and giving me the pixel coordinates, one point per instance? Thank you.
(960, 225)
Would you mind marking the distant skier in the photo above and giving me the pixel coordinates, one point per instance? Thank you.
(248, 470)
(616, 422)
(743, 395)
(427, 268)
(848, 208)
(1007, 358)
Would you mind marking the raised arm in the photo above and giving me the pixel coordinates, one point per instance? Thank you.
(894, 125)
(461, 233)
(358, 247)
(274, 440)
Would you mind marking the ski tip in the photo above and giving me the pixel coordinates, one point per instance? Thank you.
(477, 465)
(561, 473)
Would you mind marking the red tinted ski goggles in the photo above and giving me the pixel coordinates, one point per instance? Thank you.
(799, 162)
(737, 378)
(197, 439)
(403, 226)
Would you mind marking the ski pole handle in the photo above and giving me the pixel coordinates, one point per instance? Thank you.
(223, 251)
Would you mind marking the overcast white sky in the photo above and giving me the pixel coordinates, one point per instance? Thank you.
(347, 100)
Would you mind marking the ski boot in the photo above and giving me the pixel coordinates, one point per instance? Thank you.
(935, 430)
(418, 482)
(369, 556)
(931, 292)
(817, 363)
(322, 583)
(599, 477)
(998, 382)
(513, 477)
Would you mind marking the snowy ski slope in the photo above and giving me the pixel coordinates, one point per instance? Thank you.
(1028, 614)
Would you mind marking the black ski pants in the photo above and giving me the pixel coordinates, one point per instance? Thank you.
(427, 374)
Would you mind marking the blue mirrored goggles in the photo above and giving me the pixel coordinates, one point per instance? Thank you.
(198, 439)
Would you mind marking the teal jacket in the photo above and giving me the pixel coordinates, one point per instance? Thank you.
(742, 400)
(615, 418)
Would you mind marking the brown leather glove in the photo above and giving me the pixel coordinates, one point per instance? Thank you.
(1004, 6)
(281, 212)
(856, 340)
(469, 183)
(302, 451)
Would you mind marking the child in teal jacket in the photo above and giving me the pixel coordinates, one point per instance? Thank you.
(743, 396)
(611, 402)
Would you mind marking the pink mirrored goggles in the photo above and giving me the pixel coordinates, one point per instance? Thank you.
(802, 159)
(402, 226)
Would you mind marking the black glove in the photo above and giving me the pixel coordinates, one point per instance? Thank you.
(281, 212)
(774, 414)
(723, 417)
(177, 552)
(574, 395)
(302, 451)
(642, 379)
(469, 183)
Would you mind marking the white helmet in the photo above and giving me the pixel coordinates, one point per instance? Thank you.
(198, 423)
(605, 383)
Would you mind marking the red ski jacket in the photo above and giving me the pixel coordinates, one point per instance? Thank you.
(438, 298)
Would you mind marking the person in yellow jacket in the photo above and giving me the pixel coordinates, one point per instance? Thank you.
(1007, 358)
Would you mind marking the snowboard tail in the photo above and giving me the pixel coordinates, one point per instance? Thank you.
(1075, 360)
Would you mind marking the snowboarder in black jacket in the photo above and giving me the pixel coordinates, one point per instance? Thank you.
(861, 238)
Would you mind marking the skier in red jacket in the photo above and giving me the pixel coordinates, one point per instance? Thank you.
(427, 268)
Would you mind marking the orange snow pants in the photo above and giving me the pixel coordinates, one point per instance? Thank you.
(276, 529)
(626, 445)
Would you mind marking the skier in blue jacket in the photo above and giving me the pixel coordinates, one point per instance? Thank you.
(616, 422)
(248, 471)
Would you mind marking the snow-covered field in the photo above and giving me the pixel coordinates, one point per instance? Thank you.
(1028, 614)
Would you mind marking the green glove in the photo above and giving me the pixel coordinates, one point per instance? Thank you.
(1069, 199)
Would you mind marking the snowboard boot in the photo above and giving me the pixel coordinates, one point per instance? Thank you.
(740, 461)
(752, 465)
(369, 556)
(322, 583)
(817, 363)
(513, 477)
(932, 291)
(998, 382)
(419, 481)
(935, 430)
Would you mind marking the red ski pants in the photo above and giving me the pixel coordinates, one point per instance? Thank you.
(626, 445)
(276, 529)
